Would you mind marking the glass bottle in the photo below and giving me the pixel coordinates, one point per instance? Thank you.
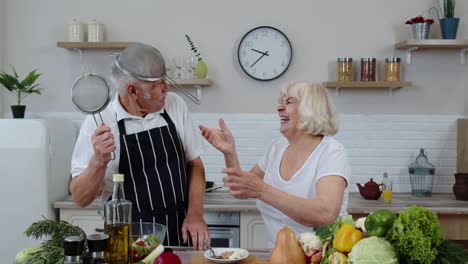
(118, 225)
(345, 69)
(421, 176)
(392, 69)
(368, 69)
(386, 188)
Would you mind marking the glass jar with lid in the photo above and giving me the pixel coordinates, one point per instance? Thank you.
(345, 69)
(392, 69)
(421, 176)
(368, 69)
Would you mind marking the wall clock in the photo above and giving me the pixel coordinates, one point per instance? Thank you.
(264, 53)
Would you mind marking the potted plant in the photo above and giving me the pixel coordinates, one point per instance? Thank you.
(421, 26)
(449, 23)
(201, 70)
(22, 89)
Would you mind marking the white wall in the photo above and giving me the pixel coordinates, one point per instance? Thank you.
(320, 31)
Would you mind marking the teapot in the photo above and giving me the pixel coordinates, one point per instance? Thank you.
(371, 190)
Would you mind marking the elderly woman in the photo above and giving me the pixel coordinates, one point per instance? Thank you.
(303, 177)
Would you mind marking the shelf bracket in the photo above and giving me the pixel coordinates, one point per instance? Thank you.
(390, 90)
(198, 93)
(408, 54)
(337, 91)
(462, 55)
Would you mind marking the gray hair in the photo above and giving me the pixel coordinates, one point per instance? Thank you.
(120, 80)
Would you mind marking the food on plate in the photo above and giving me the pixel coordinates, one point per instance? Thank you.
(233, 255)
(379, 222)
(373, 250)
(310, 243)
(346, 237)
(142, 247)
(287, 249)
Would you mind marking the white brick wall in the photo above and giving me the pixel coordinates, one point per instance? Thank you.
(375, 143)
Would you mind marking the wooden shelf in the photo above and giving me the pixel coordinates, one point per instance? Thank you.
(358, 84)
(194, 82)
(415, 44)
(94, 45)
(433, 44)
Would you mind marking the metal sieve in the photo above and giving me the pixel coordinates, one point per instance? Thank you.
(90, 95)
(144, 62)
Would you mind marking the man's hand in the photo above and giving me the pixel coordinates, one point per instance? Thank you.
(103, 144)
(221, 138)
(198, 230)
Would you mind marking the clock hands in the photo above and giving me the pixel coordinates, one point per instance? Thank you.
(263, 54)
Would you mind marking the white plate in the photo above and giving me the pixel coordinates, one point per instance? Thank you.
(218, 251)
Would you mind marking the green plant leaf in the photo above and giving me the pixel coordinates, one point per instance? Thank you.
(31, 78)
(14, 71)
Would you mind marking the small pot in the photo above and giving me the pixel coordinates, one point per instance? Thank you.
(18, 111)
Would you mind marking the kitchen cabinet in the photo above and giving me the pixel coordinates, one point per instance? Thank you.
(253, 232)
(90, 220)
(358, 84)
(453, 44)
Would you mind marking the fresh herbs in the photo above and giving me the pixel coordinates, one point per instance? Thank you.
(51, 251)
(193, 48)
(57, 231)
(451, 253)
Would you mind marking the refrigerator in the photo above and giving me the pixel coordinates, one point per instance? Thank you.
(35, 159)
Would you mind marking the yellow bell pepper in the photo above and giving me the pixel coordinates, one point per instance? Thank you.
(346, 237)
(338, 258)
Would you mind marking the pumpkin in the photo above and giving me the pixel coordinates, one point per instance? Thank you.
(287, 250)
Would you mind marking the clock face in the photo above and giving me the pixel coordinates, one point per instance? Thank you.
(264, 53)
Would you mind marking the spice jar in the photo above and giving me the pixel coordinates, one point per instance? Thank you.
(392, 69)
(368, 67)
(345, 69)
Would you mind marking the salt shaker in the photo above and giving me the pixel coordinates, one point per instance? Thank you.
(95, 31)
(75, 31)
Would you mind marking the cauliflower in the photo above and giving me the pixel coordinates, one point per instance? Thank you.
(310, 243)
(360, 224)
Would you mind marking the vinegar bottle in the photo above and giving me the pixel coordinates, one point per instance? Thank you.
(387, 188)
(118, 225)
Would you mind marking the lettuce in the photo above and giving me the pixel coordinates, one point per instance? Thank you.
(373, 250)
(416, 235)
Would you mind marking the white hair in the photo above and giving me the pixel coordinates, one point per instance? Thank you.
(315, 107)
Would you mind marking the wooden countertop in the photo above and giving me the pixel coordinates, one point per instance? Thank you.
(222, 201)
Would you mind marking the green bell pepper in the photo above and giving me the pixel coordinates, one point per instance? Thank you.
(379, 222)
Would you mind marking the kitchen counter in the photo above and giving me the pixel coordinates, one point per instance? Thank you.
(222, 201)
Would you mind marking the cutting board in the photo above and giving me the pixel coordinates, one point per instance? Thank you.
(252, 259)
(462, 146)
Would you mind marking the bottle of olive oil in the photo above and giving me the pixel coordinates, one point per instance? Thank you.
(118, 225)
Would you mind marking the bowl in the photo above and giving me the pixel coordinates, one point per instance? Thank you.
(145, 229)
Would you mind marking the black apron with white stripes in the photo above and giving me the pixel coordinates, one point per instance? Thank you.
(153, 163)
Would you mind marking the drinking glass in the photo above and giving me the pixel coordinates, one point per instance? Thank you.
(178, 64)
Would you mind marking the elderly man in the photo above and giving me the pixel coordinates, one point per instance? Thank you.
(156, 146)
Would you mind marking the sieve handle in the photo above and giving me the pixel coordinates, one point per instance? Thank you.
(182, 90)
(102, 122)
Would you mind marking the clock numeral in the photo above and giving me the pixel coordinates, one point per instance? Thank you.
(275, 72)
(265, 33)
(283, 64)
(243, 53)
(255, 36)
(254, 70)
(249, 44)
(264, 74)
(246, 64)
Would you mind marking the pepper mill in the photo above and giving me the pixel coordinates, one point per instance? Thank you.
(73, 249)
(97, 244)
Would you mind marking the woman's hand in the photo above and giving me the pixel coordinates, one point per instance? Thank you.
(221, 138)
(243, 184)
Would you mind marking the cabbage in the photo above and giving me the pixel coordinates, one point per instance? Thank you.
(373, 250)
(25, 254)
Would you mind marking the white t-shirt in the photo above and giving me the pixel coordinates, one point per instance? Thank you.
(328, 158)
(176, 109)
